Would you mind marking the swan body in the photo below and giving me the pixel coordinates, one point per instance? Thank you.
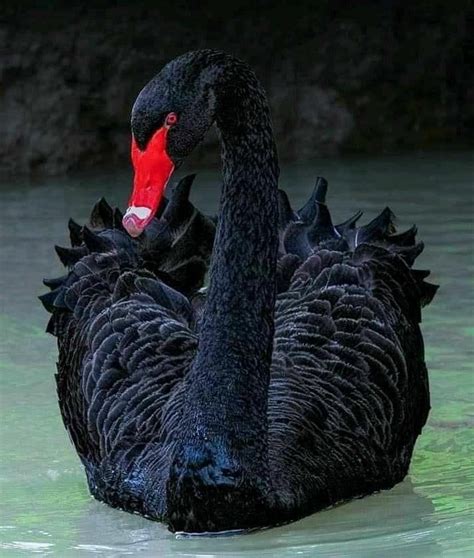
(296, 380)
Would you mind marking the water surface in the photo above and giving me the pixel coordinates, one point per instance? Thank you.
(46, 509)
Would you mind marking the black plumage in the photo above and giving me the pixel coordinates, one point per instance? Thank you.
(294, 381)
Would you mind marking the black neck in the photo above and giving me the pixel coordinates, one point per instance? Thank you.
(227, 388)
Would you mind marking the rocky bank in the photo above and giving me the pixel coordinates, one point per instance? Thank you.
(359, 76)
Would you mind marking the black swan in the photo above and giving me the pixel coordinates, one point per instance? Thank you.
(295, 381)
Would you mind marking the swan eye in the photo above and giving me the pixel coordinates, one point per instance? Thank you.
(171, 119)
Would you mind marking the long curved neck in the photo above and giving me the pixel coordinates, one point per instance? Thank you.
(225, 409)
(241, 294)
(237, 330)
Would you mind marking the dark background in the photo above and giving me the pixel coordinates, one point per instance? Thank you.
(358, 76)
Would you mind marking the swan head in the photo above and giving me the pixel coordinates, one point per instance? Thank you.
(170, 117)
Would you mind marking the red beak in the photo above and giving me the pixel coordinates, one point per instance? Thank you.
(153, 168)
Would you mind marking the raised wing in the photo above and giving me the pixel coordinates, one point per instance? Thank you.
(126, 330)
(349, 386)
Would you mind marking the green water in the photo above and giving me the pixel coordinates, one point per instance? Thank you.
(45, 506)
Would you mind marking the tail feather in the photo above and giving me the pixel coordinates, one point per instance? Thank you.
(286, 215)
(406, 238)
(102, 215)
(48, 299)
(179, 209)
(378, 228)
(309, 210)
(95, 242)
(117, 221)
(349, 224)
(296, 240)
(75, 233)
(55, 282)
(322, 228)
(70, 256)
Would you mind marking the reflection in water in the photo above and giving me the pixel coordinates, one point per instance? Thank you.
(46, 507)
(393, 522)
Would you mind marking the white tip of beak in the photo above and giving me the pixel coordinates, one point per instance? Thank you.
(136, 219)
(140, 212)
